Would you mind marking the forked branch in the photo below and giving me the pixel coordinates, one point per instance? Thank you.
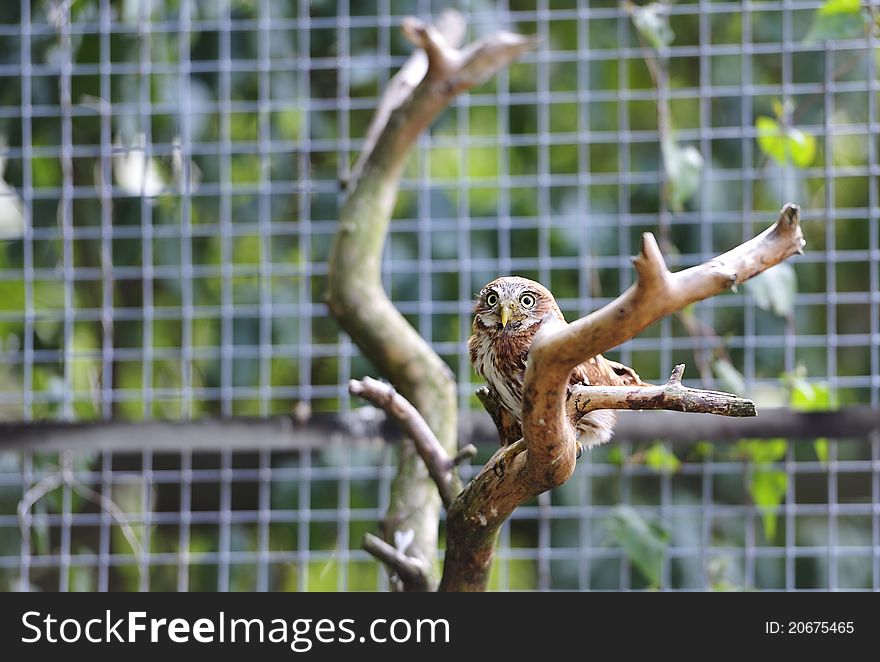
(546, 456)
(407, 571)
(441, 467)
(432, 77)
(656, 294)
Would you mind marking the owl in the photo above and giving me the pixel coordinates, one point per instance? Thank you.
(508, 313)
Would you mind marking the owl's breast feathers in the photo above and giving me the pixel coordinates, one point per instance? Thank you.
(499, 358)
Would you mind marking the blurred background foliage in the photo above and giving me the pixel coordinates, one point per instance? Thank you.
(181, 203)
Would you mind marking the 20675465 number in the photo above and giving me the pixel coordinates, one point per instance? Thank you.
(809, 627)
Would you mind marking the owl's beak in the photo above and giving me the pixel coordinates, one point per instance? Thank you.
(505, 314)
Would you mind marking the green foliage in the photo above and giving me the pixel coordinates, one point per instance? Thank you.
(767, 484)
(838, 19)
(762, 451)
(768, 488)
(683, 165)
(775, 289)
(474, 150)
(785, 143)
(643, 542)
(807, 396)
(660, 459)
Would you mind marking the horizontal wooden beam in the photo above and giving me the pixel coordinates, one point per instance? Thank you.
(368, 425)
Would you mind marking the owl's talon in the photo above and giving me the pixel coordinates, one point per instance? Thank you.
(498, 468)
(580, 451)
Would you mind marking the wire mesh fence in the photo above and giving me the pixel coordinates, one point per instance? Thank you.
(168, 195)
(276, 520)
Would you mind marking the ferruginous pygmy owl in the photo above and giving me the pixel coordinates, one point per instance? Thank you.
(507, 314)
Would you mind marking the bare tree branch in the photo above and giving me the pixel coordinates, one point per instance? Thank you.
(355, 295)
(451, 28)
(546, 456)
(672, 396)
(440, 465)
(656, 294)
(409, 571)
(464, 455)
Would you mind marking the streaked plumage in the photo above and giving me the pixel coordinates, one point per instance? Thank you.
(507, 314)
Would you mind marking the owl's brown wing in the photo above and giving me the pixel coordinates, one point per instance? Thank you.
(599, 370)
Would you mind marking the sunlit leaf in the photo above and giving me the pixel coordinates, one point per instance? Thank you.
(661, 459)
(615, 456)
(704, 449)
(770, 138)
(642, 541)
(833, 7)
(820, 446)
(762, 451)
(775, 289)
(802, 147)
(838, 19)
(784, 144)
(811, 397)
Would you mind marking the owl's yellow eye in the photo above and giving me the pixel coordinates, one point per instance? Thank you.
(527, 300)
(491, 299)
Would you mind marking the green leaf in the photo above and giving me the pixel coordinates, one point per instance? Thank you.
(704, 449)
(811, 397)
(683, 166)
(661, 459)
(834, 7)
(802, 146)
(784, 143)
(653, 24)
(615, 456)
(768, 488)
(762, 451)
(775, 289)
(807, 396)
(838, 19)
(770, 138)
(643, 542)
(821, 447)
(729, 377)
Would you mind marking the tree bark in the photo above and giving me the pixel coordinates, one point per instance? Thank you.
(355, 294)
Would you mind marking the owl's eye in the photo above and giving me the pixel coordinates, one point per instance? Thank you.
(491, 299)
(527, 300)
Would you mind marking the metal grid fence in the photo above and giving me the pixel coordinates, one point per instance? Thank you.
(278, 520)
(169, 193)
